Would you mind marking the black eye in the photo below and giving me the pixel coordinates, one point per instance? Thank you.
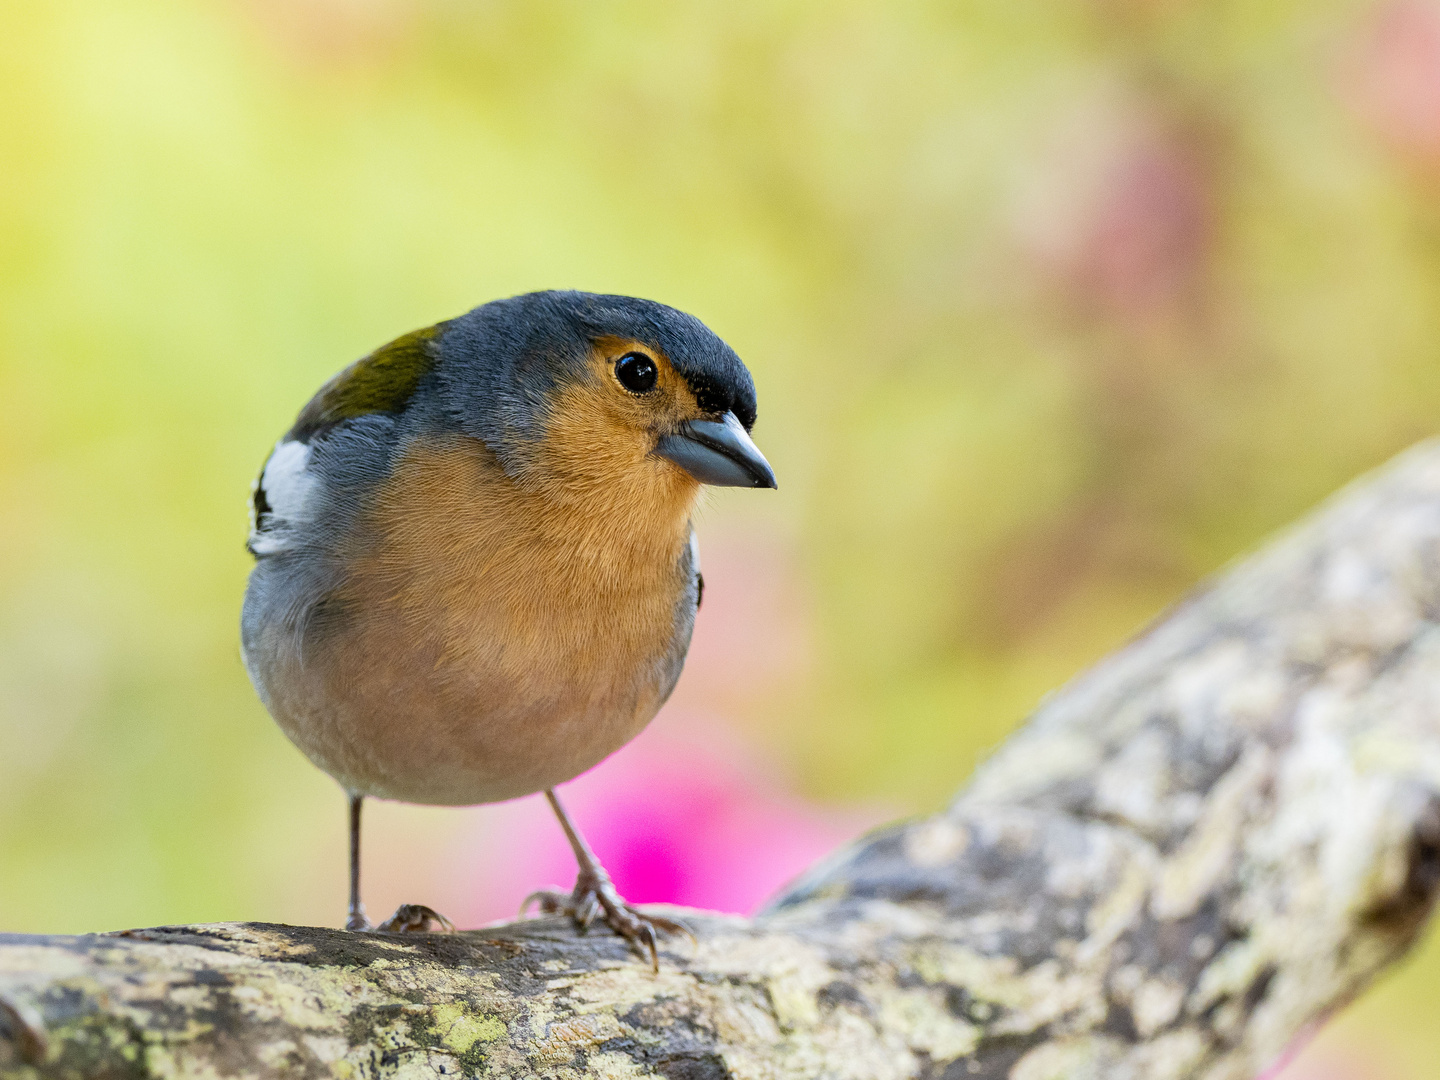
(636, 372)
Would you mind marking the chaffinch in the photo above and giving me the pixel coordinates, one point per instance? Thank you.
(476, 573)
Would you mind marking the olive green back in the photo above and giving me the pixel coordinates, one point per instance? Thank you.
(379, 383)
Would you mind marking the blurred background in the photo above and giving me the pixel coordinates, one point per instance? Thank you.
(1053, 309)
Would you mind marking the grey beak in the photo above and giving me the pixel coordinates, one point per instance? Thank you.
(718, 452)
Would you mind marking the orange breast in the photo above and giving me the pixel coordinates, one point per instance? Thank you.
(491, 640)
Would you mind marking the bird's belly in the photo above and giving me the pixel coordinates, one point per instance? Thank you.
(472, 710)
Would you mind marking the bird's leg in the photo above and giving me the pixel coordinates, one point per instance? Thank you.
(594, 895)
(356, 919)
(407, 917)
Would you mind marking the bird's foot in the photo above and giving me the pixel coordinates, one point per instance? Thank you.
(416, 919)
(595, 897)
(408, 919)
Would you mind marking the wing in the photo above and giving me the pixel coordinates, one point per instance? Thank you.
(283, 496)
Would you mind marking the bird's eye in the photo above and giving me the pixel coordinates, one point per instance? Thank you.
(637, 372)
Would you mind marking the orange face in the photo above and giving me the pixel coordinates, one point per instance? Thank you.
(600, 434)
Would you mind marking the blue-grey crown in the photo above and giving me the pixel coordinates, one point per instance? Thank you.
(499, 362)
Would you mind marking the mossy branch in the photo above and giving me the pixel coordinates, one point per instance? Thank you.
(1187, 856)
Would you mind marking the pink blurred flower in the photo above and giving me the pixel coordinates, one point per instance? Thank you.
(1119, 212)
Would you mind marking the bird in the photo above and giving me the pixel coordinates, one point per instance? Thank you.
(476, 570)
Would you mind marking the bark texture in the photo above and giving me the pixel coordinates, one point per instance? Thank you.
(1186, 857)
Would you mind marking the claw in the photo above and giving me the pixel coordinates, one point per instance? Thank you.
(646, 933)
(415, 918)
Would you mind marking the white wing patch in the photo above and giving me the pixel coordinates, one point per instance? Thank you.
(280, 498)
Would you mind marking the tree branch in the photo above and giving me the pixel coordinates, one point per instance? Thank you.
(1215, 837)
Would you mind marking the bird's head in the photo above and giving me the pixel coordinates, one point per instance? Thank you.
(579, 393)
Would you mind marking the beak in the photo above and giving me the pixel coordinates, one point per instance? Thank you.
(718, 452)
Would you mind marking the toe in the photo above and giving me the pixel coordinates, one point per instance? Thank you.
(645, 935)
(549, 901)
